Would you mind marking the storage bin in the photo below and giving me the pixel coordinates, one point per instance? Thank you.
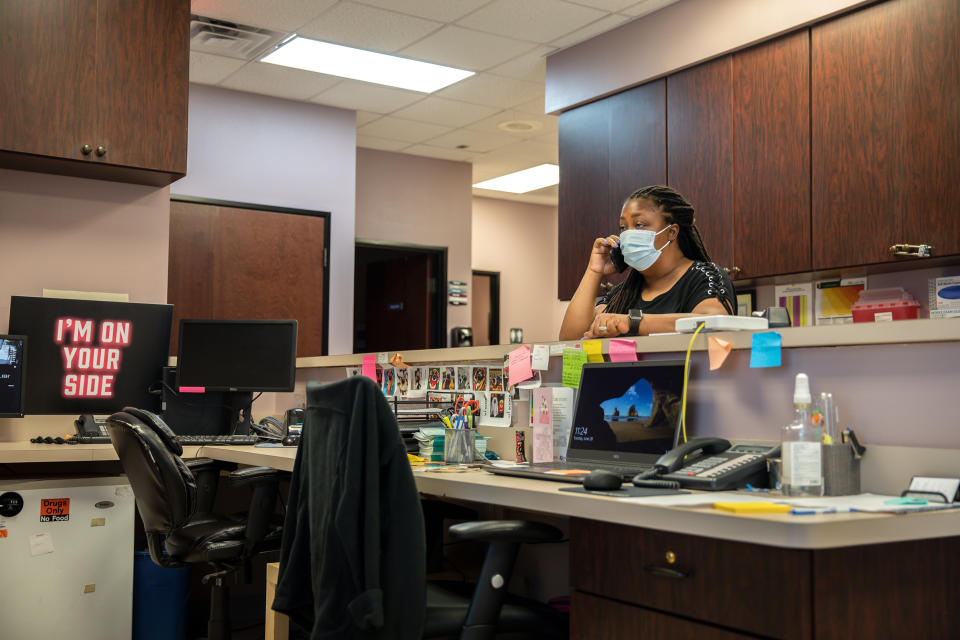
(159, 600)
(884, 305)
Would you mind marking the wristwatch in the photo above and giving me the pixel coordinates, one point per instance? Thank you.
(635, 315)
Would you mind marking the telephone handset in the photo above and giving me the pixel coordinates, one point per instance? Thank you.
(616, 257)
(675, 458)
(712, 464)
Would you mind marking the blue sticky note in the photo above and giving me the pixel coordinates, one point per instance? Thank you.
(766, 350)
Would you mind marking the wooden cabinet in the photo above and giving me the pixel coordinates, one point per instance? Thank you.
(886, 145)
(95, 88)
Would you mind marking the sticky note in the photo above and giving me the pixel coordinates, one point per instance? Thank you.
(719, 349)
(370, 366)
(573, 361)
(593, 349)
(766, 350)
(623, 350)
(752, 507)
(382, 358)
(41, 543)
(541, 357)
(519, 367)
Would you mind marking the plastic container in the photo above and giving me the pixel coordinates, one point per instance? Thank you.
(159, 600)
(884, 305)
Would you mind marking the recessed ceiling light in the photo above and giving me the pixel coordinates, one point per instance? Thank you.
(544, 175)
(520, 126)
(336, 60)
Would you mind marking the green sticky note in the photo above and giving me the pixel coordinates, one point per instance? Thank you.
(573, 360)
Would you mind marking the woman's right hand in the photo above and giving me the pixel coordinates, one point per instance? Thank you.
(600, 256)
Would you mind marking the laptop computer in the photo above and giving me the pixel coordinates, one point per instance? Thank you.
(627, 416)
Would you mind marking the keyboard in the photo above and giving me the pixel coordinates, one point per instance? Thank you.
(219, 440)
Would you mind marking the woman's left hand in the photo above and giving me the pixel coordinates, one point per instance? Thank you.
(608, 325)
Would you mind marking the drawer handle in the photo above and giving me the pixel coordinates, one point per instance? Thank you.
(914, 250)
(664, 572)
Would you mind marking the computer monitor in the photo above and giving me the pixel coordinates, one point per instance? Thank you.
(13, 355)
(91, 356)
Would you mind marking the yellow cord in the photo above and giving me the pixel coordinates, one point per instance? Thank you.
(686, 375)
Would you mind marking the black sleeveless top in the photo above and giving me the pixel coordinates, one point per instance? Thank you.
(701, 281)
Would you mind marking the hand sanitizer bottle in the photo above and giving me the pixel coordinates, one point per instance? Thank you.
(801, 447)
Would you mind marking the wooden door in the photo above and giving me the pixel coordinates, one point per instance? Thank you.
(47, 76)
(885, 141)
(700, 150)
(398, 303)
(143, 60)
(771, 160)
(584, 211)
(638, 142)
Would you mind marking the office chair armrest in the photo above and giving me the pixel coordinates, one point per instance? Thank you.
(505, 531)
(206, 473)
(263, 482)
(199, 465)
(253, 475)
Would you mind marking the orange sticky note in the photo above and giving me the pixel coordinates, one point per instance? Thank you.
(593, 349)
(719, 349)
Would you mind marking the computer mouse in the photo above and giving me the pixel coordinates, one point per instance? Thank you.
(291, 441)
(602, 480)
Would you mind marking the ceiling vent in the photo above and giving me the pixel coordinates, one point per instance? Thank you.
(208, 35)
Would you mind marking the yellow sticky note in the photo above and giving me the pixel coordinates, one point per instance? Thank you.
(719, 349)
(752, 507)
(593, 349)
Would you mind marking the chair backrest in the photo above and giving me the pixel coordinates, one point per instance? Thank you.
(163, 486)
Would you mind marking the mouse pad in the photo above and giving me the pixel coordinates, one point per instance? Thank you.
(627, 492)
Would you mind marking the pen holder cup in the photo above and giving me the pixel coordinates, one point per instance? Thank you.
(459, 446)
(841, 470)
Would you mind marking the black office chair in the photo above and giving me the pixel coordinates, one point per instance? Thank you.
(175, 500)
(352, 563)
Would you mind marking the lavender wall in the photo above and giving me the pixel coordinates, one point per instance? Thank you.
(260, 150)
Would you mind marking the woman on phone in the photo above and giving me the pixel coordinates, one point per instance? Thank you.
(670, 273)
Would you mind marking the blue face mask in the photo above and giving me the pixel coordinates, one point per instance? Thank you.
(637, 247)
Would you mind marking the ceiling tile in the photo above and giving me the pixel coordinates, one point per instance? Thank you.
(358, 25)
(206, 68)
(364, 117)
(646, 6)
(466, 49)
(493, 91)
(547, 138)
(477, 141)
(531, 66)
(457, 155)
(594, 29)
(440, 10)
(525, 153)
(605, 5)
(534, 106)
(535, 20)
(288, 15)
(353, 94)
(281, 82)
(547, 124)
(446, 112)
(399, 129)
(370, 142)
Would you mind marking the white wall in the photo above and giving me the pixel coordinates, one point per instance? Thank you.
(255, 149)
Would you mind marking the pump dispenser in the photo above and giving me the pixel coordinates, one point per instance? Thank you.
(801, 446)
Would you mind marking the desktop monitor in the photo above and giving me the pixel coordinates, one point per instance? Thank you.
(13, 352)
(91, 356)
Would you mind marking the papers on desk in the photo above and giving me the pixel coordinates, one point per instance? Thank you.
(864, 502)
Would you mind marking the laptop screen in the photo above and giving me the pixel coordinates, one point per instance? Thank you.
(627, 408)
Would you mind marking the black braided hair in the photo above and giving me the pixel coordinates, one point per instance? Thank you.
(677, 211)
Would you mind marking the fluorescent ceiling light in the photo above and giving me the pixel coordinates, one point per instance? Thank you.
(544, 175)
(347, 62)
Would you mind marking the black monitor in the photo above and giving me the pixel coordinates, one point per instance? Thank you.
(13, 356)
(91, 356)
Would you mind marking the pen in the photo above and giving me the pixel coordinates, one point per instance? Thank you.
(813, 512)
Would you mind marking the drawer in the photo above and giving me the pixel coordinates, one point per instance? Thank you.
(754, 588)
(593, 618)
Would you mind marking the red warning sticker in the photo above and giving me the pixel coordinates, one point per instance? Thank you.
(3, 533)
(54, 509)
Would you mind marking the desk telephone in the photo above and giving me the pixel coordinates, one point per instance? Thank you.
(91, 430)
(711, 464)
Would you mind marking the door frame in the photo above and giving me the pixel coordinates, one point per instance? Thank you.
(438, 320)
(494, 303)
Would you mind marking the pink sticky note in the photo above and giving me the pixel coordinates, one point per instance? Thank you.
(719, 349)
(370, 366)
(622, 350)
(520, 364)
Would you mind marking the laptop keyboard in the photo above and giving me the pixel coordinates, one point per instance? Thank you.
(229, 440)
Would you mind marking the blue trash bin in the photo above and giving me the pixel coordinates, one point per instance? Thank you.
(159, 599)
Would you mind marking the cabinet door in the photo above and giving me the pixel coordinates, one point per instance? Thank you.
(143, 57)
(638, 140)
(584, 211)
(771, 159)
(885, 140)
(700, 150)
(47, 49)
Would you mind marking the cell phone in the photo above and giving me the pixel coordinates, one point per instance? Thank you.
(616, 257)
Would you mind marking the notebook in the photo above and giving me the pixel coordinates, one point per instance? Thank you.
(627, 416)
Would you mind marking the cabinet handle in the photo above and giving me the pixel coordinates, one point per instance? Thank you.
(101, 151)
(663, 572)
(913, 250)
(86, 149)
(733, 272)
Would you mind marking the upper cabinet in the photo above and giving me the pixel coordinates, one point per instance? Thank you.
(95, 88)
(886, 141)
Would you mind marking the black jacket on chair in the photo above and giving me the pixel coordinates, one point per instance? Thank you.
(355, 519)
